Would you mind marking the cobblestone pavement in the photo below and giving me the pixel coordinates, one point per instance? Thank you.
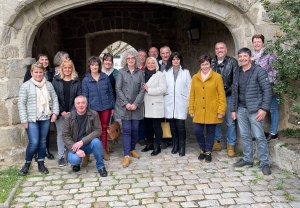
(165, 181)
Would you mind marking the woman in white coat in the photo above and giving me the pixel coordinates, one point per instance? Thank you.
(155, 87)
(176, 98)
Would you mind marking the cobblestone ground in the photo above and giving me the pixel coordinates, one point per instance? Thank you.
(165, 181)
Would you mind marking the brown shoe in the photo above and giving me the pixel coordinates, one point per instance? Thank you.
(133, 153)
(105, 155)
(110, 148)
(230, 151)
(126, 161)
(85, 161)
(217, 146)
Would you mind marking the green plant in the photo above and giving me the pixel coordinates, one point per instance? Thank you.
(8, 180)
(286, 46)
(239, 153)
(291, 133)
(289, 197)
(284, 145)
(286, 173)
(258, 177)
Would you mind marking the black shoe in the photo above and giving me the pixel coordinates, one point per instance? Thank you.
(181, 151)
(61, 162)
(24, 169)
(147, 148)
(49, 155)
(156, 150)
(266, 170)
(242, 163)
(202, 155)
(272, 137)
(208, 157)
(76, 168)
(42, 168)
(175, 149)
(103, 172)
(267, 134)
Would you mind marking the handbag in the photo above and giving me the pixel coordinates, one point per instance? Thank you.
(113, 129)
(166, 129)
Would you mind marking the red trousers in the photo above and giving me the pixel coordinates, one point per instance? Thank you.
(104, 119)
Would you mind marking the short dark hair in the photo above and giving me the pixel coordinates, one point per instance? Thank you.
(204, 58)
(91, 60)
(144, 50)
(108, 55)
(259, 36)
(48, 68)
(244, 50)
(174, 55)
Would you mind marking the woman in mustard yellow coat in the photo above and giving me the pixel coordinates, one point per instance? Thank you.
(207, 105)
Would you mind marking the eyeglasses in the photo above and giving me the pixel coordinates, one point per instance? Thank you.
(132, 58)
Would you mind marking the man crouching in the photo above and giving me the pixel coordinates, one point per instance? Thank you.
(81, 131)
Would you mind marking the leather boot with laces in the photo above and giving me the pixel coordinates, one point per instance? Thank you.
(24, 169)
(126, 161)
(42, 168)
(133, 153)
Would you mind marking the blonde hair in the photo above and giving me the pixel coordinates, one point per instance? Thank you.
(68, 62)
(155, 61)
(37, 65)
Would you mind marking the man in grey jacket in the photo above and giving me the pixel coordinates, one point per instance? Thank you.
(251, 99)
(81, 132)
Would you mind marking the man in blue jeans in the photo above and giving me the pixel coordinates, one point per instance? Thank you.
(81, 132)
(250, 101)
(227, 67)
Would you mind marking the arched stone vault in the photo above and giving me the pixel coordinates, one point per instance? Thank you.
(21, 19)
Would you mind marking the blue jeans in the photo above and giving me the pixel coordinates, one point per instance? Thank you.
(95, 147)
(37, 134)
(230, 123)
(247, 122)
(130, 132)
(274, 115)
(205, 144)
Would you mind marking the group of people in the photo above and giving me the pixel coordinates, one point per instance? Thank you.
(147, 90)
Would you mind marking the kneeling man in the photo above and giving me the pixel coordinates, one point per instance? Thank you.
(81, 131)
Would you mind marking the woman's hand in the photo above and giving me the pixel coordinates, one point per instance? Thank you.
(233, 115)
(25, 125)
(128, 106)
(53, 118)
(133, 107)
(112, 112)
(220, 115)
(192, 115)
(145, 87)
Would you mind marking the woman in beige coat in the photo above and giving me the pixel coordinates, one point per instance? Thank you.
(155, 87)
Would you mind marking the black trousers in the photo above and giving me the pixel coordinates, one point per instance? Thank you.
(153, 126)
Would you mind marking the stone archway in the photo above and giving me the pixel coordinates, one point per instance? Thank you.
(20, 21)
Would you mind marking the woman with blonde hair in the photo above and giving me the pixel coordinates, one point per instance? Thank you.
(38, 106)
(155, 87)
(130, 101)
(67, 87)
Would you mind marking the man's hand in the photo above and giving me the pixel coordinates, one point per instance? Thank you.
(63, 114)
(25, 125)
(53, 118)
(233, 115)
(260, 115)
(77, 146)
(80, 153)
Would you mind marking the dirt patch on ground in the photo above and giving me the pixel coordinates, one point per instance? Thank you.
(291, 143)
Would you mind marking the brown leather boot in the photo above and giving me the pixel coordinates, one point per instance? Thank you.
(126, 161)
(230, 151)
(85, 161)
(133, 153)
(217, 146)
(105, 155)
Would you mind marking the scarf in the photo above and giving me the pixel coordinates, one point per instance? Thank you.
(107, 72)
(148, 74)
(42, 98)
(257, 55)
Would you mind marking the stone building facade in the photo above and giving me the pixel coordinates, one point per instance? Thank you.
(84, 28)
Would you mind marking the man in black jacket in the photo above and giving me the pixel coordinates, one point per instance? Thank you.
(226, 66)
(251, 99)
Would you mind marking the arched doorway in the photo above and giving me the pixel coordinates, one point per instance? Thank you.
(69, 24)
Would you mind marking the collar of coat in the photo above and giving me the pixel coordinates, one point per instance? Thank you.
(209, 76)
(73, 113)
(134, 71)
(91, 79)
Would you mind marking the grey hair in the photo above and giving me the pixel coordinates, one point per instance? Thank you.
(155, 61)
(133, 53)
(81, 96)
(221, 43)
(58, 58)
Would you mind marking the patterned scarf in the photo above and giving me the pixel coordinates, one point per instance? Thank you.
(257, 55)
(42, 98)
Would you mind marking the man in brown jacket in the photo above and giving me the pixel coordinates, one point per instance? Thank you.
(81, 132)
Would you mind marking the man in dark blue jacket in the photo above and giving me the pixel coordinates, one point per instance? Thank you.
(251, 99)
